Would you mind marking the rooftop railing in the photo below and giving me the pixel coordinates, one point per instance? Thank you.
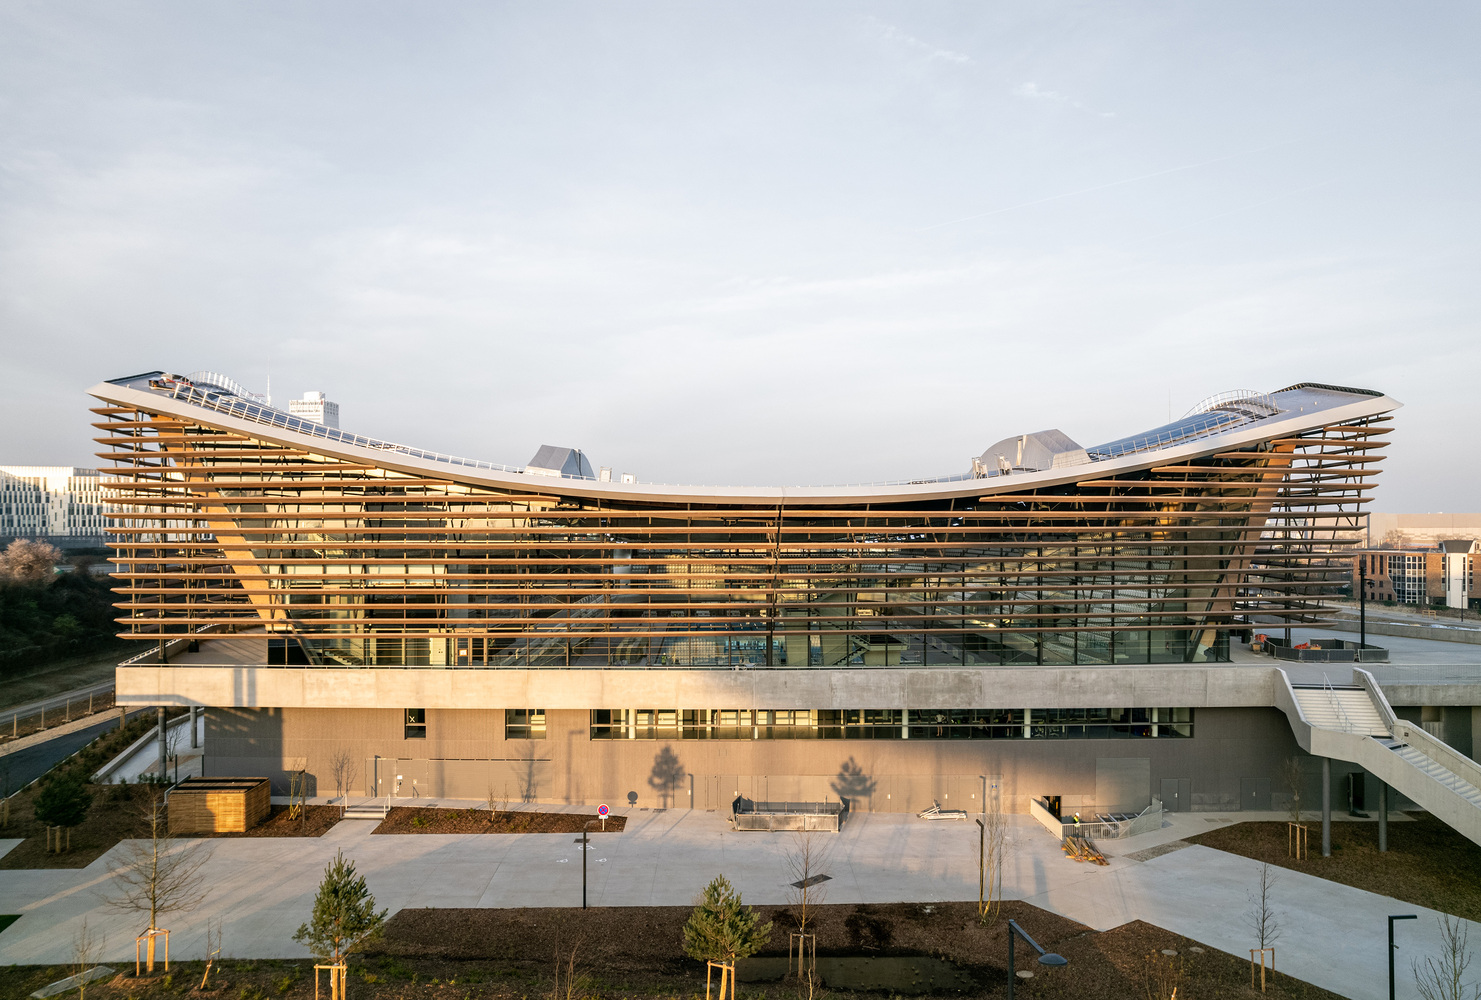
(1216, 422)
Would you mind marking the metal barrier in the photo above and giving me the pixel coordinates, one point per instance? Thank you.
(52, 713)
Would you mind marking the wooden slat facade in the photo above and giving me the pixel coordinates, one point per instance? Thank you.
(355, 564)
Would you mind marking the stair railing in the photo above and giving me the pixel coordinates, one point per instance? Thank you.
(1347, 726)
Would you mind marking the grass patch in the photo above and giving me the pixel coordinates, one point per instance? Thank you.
(6, 919)
(1427, 863)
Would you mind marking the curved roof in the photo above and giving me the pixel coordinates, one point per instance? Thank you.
(1216, 424)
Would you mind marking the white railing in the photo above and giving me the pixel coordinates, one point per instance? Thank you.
(261, 413)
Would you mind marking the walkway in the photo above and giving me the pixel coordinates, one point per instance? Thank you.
(263, 888)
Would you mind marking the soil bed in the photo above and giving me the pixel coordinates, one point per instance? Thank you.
(1427, 863)
(315, 822)
(635, 952)
(431, 819)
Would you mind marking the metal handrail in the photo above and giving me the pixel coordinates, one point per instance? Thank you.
(1347, 726)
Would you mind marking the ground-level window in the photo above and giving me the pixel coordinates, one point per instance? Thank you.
(524, 723)
(416, 723)
(889, 723)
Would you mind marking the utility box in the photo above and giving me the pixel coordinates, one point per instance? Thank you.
(219, 805)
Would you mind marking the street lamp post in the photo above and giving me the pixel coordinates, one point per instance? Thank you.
(1392, 946)
(1045, 957)
(1362, 603)
(584, 840)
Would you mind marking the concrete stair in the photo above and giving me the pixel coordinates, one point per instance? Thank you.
(1437, 772)
(1344, 709)
(375, 809)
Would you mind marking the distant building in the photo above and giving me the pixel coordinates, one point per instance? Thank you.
(1441, 574)
(1400, 531)
(60, 503)
(1461, 557)
(313, 406)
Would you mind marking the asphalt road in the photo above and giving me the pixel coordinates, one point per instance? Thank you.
(22, 767)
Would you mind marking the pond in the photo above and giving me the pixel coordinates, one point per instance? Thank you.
(907, 975)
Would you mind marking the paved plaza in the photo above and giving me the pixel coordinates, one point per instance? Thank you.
(262, 888)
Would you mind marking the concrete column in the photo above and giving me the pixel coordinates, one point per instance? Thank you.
(1028, 719)
(905, 723)
(1382, 816)
(163, 767)
(1326, 807)
(193, 741)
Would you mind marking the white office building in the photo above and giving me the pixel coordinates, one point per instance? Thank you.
(314, 406)
(51, 501)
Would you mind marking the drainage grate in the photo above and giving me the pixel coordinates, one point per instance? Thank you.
(811, 881)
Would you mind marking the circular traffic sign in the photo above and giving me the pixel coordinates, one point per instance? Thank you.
(602, 810)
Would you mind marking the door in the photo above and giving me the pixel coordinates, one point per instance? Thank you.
(1177, 795)
(1254, 794)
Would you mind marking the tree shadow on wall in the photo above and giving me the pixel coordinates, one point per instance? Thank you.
(852, 783)
(529, 786)
(667, 773)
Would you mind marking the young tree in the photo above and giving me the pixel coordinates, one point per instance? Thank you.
(993, 854)
(86, 947)
(157, 874)
(344, 917)
(342, 766)
(63, 801)
(1444, 978)
(1262, 919)
(721, 930)
(806, 859)
(1294, 779)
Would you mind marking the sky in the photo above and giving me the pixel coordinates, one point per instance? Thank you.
(746, 243)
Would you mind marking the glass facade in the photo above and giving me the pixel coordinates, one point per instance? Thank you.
(889, 724)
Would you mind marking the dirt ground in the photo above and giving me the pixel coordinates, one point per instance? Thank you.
(1427, 863)
(414, 819)
(315, 821)
(636, 952)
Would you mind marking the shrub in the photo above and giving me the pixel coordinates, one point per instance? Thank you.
(720, 929)
(63, 801)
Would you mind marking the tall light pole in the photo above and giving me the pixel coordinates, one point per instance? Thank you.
(1362, 603)
(1391, 947)
(1045, 957)
(584, 840)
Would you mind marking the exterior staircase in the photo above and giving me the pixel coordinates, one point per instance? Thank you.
(1355, 723)
(375, 809)
(1438, 772)
(1346, 709)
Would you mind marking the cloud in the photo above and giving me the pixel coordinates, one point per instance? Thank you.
(931, 53)
(1031, 91)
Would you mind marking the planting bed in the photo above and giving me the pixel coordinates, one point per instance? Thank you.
(635, 952)
(430, 819)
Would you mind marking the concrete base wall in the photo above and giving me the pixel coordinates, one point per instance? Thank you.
(1231, 762)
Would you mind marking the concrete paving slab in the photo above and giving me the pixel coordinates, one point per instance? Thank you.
(262, 888)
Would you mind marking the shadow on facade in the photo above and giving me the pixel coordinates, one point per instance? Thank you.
(666, 776)
(852, 783)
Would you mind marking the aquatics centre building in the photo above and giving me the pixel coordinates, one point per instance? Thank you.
(1055, 616)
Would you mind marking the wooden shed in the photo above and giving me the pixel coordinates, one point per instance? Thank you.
(219, 805)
